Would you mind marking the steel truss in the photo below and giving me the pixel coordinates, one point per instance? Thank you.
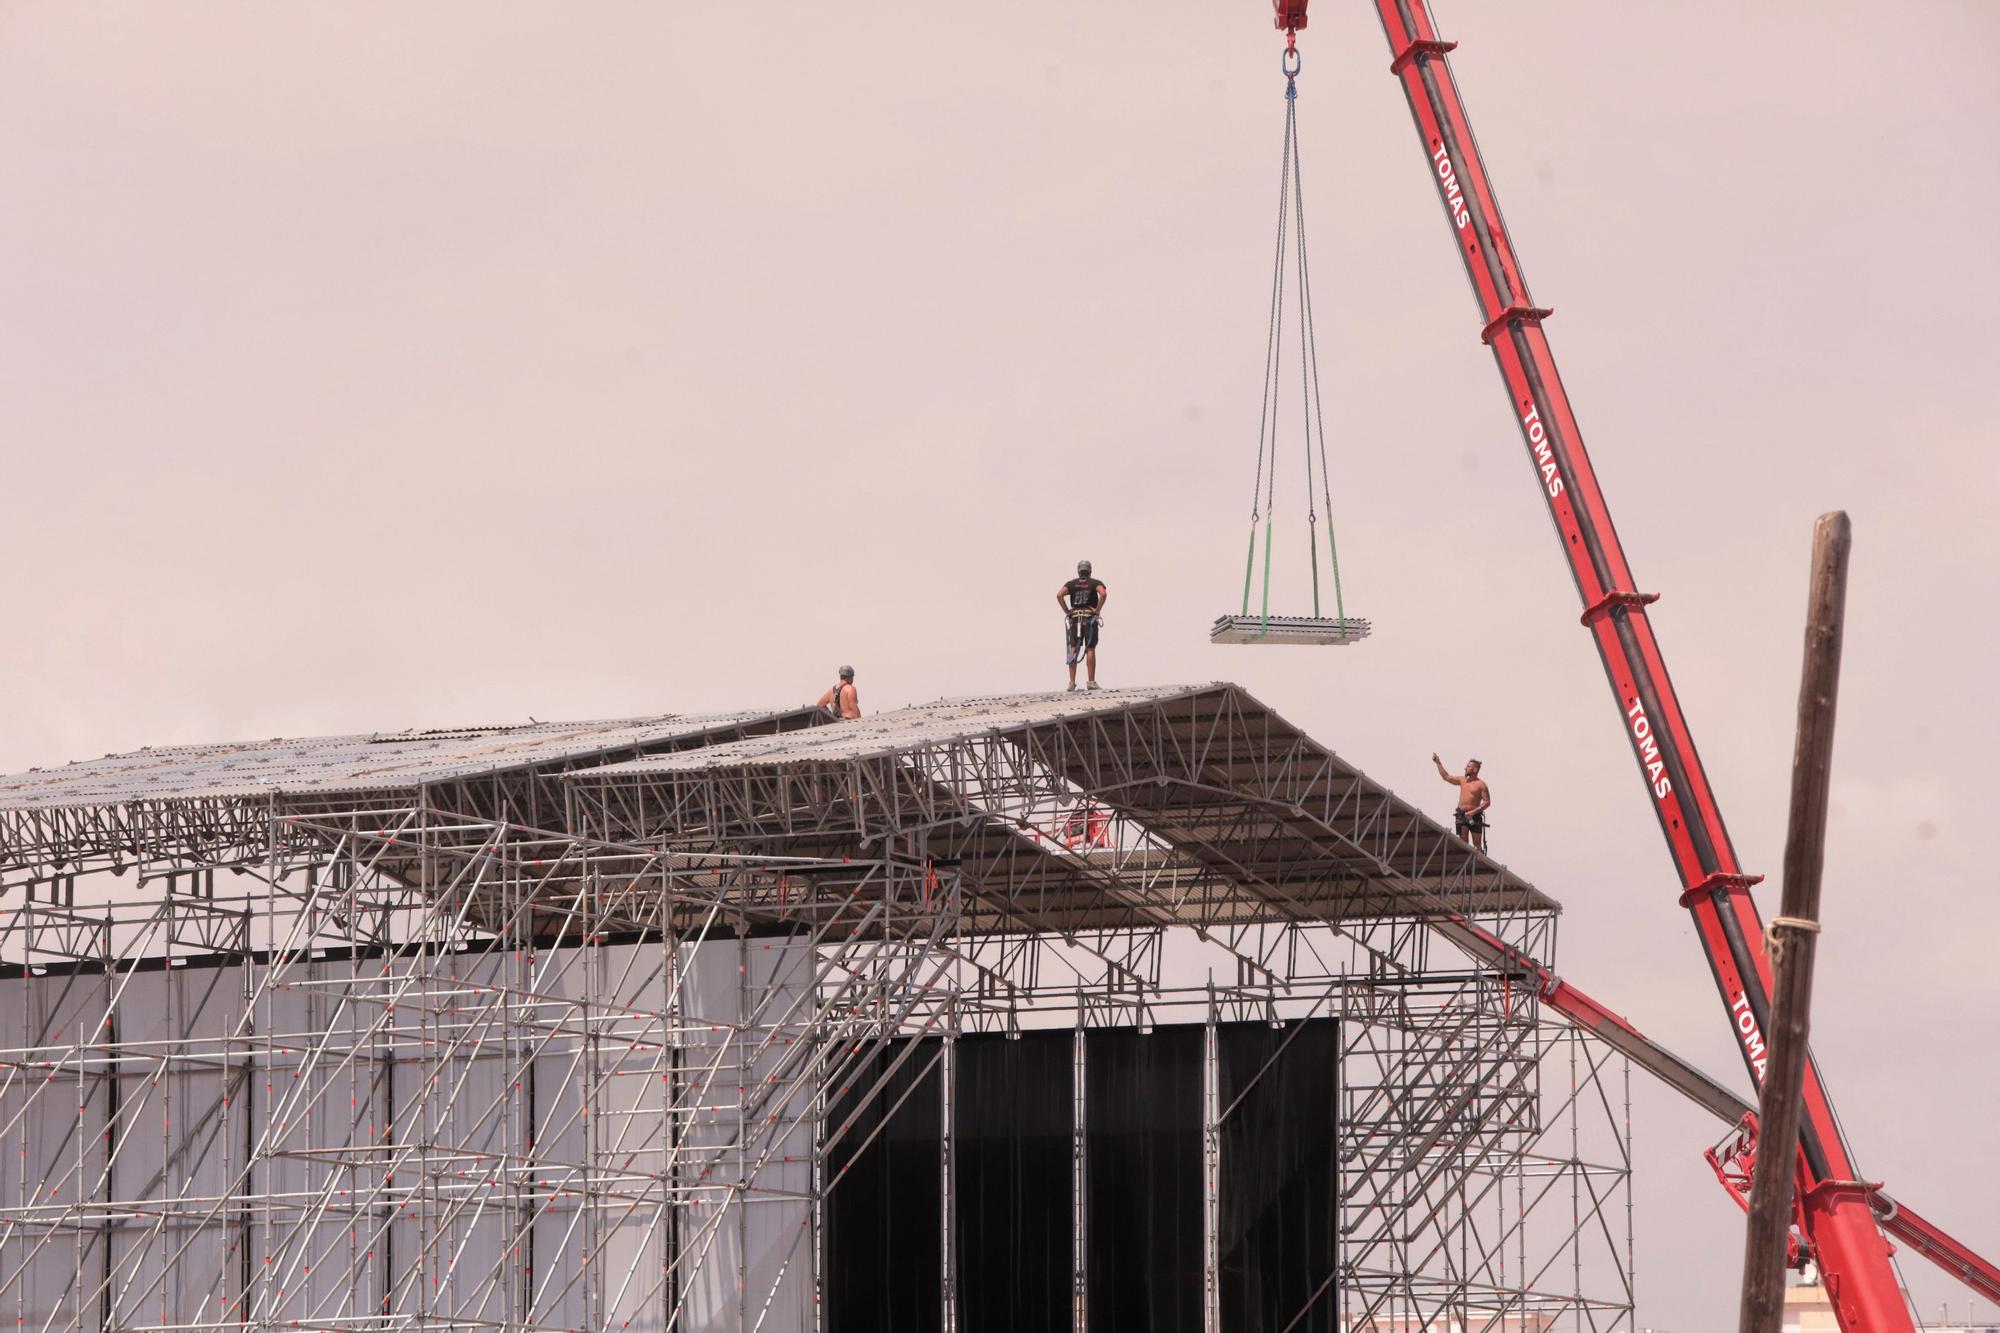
(559, 1052)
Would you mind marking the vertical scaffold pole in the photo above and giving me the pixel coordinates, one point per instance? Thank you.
(1079, 1178)
(1211, 1168)
(947, 1077)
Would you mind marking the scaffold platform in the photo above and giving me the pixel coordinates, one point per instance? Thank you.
(539, 1026)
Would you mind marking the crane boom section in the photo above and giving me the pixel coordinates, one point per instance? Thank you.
(1929, 1240)
(1898, 1219)
(1716, 892)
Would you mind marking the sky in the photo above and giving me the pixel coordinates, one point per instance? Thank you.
(375, 365)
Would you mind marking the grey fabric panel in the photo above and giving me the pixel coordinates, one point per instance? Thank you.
(181, 1142)
(308, 1087)
(52, 1119)
(736, 1133)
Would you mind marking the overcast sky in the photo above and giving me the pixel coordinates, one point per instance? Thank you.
(377, 365)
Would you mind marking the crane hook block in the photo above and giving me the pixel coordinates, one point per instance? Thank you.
(1291, 14)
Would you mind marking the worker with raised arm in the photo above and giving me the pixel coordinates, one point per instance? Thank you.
(841, 700)
(1082, 601)
(1473, 798)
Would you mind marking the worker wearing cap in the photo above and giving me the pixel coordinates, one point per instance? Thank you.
(1473, 799)
(1082, 601)
(841, 700)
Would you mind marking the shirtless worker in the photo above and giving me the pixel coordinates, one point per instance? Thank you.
(1082, 601)
(841, 700)
(1473, 798)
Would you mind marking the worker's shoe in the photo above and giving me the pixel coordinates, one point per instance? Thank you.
(1070, 688)
(1095, 686)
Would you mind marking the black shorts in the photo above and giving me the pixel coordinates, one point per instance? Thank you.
(1080, 635)
(1470, 823)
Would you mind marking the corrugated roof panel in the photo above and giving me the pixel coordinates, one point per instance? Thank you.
(1256, 802)
(382, 761)
(902, 729)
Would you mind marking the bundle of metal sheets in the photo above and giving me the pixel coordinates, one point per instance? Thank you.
(1288, 629)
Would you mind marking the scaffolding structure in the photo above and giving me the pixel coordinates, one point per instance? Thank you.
(544, 1027)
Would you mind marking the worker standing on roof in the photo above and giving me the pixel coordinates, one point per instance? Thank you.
(1082, 601)
(842, 700)
(1473, 798)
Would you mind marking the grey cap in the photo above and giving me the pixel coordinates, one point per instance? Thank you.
(1083, 568)
(847, 673)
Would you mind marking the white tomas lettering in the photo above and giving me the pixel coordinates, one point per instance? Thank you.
(1649, 750)
(1453, 196)
(1753, 1040)
(1545, 459)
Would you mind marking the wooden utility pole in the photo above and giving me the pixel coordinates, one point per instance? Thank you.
(1791, 936)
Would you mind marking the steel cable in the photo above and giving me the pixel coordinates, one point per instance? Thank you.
(1263, 488)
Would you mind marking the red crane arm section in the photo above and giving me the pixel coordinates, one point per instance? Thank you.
(1841, 1229)
(1926, 1239)
(1580, 1010)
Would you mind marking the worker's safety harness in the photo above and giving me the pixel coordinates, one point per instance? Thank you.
(1080, 630)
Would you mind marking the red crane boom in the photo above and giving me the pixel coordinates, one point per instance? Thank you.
(1732, 1165)
(1838, 1223)
(1929, 1240)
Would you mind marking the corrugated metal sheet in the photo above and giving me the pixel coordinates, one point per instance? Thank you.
(385, 761)
(903, 729)
(1271, 804)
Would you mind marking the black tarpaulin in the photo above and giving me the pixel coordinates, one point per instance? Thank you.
(1013, 1145)
(1280, 1187)
(1142, 1113)
(885, 1204)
